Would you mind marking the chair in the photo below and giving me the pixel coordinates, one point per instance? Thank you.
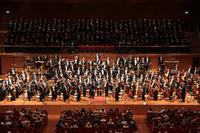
(61, 96)
(135, 97)
(9, 97)
(50, 96)
(75, 96)
(37, 98)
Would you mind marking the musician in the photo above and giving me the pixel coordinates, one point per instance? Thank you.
(16, 90)
(171, 92)
(160, 60)
(33, 87)
(106, 88)
(146, 63)
(10, 80)
(161, 69)
(143, 93)
(183, 92)
(54, 93)
(78, 92)
(107, 61)
(12, 92)
(24, 76)
(171, 86)
(65, 92)
(4, 89)
(41, 92)
(144, 90)
(83, 88)
(29, 91)
(117, 91)
(155, 94)
(91, 90)
(1, 92)
(97, 57)
(133, 90)
(12, 73)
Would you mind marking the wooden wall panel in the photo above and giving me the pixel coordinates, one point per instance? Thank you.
(17, 60)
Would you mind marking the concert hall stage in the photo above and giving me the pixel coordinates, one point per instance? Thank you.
(139, 107)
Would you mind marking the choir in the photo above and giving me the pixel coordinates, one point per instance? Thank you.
(123, 32)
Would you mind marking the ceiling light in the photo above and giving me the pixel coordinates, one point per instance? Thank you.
(7, 12)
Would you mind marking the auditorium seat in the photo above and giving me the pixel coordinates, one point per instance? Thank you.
(173, 121)
(98, 120)
(23, 121)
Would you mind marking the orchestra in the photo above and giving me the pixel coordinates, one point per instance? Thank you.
(56, 76)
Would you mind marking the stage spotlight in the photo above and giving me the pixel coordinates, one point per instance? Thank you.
(7, 12)
(186, 12)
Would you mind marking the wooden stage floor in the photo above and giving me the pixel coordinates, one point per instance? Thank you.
(139, 107)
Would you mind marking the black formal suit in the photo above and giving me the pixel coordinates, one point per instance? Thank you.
(155, 95)
(106, 89)
(117, 93)
(183, 93)
(78, 98)
(65, 93)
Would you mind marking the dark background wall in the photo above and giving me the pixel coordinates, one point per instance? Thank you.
(100, 8)
(96, 8)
